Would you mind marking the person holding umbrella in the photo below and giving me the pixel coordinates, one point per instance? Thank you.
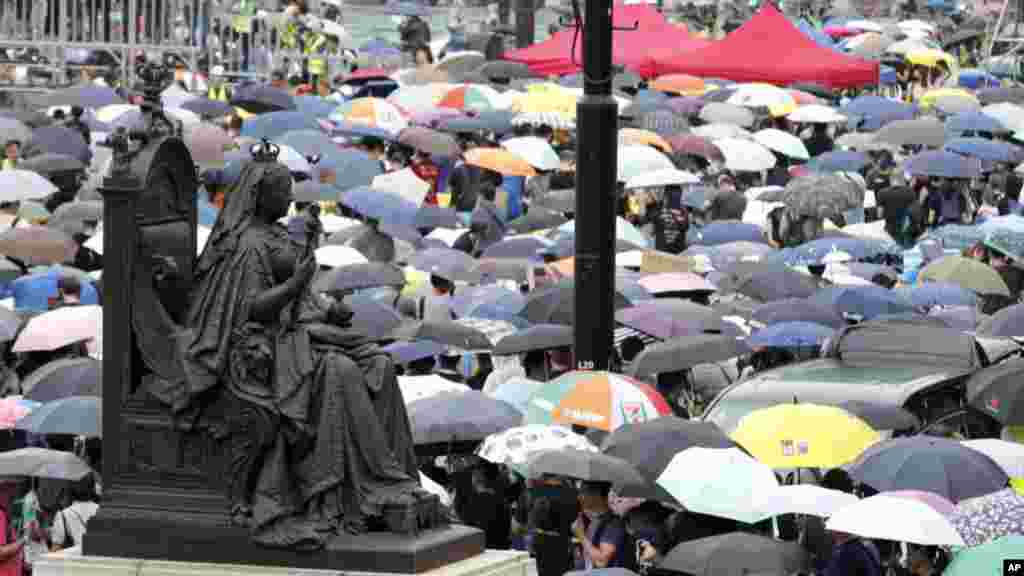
(601, 534)
(11, 558)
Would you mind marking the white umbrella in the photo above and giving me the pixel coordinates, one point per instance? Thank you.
(536, 151)
(555, 120)
(899, 519)
(635, 160)
(60, 327)
(1009, 455)
(745, 155)
(816, 114)
(1009, 114)
(333, 223)
(782, 142)
(908, 45)
(446, 235)
(515, 445)
(761, 96)
(719, 131)
(806, 499)
(404, 183)
(335, 256)
(658, 178)
(865, 25)
(917, 25)
(722, 482)
(418, 387)
(202, 235)
(18, 185)
(295, 161)
(871, 230)
(725, 113)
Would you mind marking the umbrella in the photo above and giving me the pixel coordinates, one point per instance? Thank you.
(921, 132)
(790, 335)
(275, 124)
(1008, 321)
(60, 327)
(58, 140)
(749, 156)
(876, 111)
(1006, 114)
(996, 391)
(819, 195)
(539, 218)
(74, 415)
(656, 123)
(419, 387)
(14, 129)
(462, 417)
(536, 337)
(937, 294)
(498, 121)
(937, 465)
(725, 232)
(449, 333)
(797, 310)
(556, 304)
(907, 520)
(940, 163)
(504, 69)
(634, 160)
(514, 446)
(601, 400)
(207, 108)
(736, 554)
(469, 300)
(499, 160)
(722, 113)
(650, 446)
(816, 114)
(18, 185)
(472, 97)
(1009, 455)
(806, 499)
(582, 465)
(429, 141)
(839, 161)
(804, 436)
(683, 353)
(881, 416)
(975, 122)
(51, 164)
(864, 302)
(966, 272)
(371, 111)
(782, 142)
(986, 558)
(445, 262)
(359, 276)
(84, 95)
(43, 463)
(659, 178)
(722, 482)
(261, 99)
(374, 320)
(667, 282)
(985, 149)
(62, 378)
(989, 517)
(406, 352)
(536, 151)
(665, 317)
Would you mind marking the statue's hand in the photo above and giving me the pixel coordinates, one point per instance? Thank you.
(339, 314)
(305, 272)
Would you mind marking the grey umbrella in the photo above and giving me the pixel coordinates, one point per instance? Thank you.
(14, 129)
(460, 417)
(919, 132)
(504, 69)
(683, 353)
(586, 466)
(735, 554)
(819, 195)
(51, 163)
(359, 276)
(721, 112)
(537, 337)
(449, 333)
(43, 463)
(558, 200)
(75, 415)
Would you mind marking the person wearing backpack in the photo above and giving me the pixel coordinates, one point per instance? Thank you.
(601, 534)
(69, 524)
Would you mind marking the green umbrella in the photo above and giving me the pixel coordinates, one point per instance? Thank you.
(968, 273)
(722, 482)
(987, 559)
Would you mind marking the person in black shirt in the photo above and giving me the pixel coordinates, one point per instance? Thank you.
(671, 222)
(819, 142)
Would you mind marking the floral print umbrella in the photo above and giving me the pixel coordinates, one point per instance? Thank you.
(986, 518)
(513, 447)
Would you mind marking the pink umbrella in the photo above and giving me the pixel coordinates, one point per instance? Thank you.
(676, 282)
(430, 117)
(207, 144)
(58, 328)
(11, 411)
(937, 502)
(693, 145)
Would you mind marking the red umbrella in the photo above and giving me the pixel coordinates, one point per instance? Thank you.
(695, 146)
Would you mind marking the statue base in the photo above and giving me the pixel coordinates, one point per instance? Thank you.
(71, 563)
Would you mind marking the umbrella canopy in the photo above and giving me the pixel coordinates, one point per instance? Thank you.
(965, 272)
(43, 463)
(58, 140)
(804, 436)
(816, 114)
(634, 160)
(863, 302)
(996, 391)
(986, 518)
(84, 95)
(450, 333)
(416, 388)
(74, 415)
(536, 151)
(750, 156)
(51, 164)
(429, 141)
(556, 304)
(599, 400)
(63, 378)
(513, 447)
(18, 185)
(790, 335)
(723, 113)
(907, 520)
(806, 499)
(736, 554)
(940, 163)
(1009, 455)
(839, 161)
(685, 352)
(58, 328)
(782, 142)
(583, 465)
(945, 467)
(797, 310)
(462, 417)
(921, 132)
(982, 559)
(445, 262)
(666, 317)
(722, 482)
(819, 195)
(499, 160)
(881, 416)
(261, 99)
(359, 276)
(536, 337)
(1008, 321)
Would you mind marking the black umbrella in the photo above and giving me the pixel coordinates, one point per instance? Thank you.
(881, 416)
(767, 283)
(464, 417)
(686, 352)
(374, 319)
(538, 218)
(49, 163)
(58, 140)
(63, 378)
(582, 465)
(84, 95)
(208, 108)
(735, 554)
(797, 310)
(260, 99)
(557, 201)
(504, 69)
(1008, 322)
(359, 276)
(538, 337)
(446, 263)
(650, 446)
(997, 391)
(30, 118)
(556, 304)
(452, 334)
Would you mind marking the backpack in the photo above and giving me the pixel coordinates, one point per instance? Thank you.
(627, 555)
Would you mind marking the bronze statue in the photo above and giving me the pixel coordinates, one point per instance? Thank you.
(317, 431)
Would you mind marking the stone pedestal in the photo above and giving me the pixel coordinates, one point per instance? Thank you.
(71, 563)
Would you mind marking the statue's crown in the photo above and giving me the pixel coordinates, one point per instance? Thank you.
(265, 151)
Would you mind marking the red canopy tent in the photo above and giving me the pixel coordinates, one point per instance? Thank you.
(630, 48)
(769, 48)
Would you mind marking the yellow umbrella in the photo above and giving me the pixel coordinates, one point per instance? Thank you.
(929, 98)
(930, 57)
(645, 138)
(804, 436)
(415, 280)
(243, 114)
(546, 98)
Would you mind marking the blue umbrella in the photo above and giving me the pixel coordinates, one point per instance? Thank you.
(977, 79)
(314, 106)
(498, 121)
(887, 76)
(865, 302)
(444, 262)
(957, 237)
(306, 142)
(797, 310)
(1010, 222)
(940, 465)
(379, 47)
(517, 392)
(274, 124)
(359, 130)
(84, 95)
(875, 111)
(943, 164)
(937, 294)
(974, 122)
(468, 300)
(351, 168)
(1009, 242)
(790, 335)
(725, 231)
(33, 292)
(815, 251)
(207, 108)
(74, 416)
(839, 161)
(518, 247)
(985, 149)
(382, 206)
(406, 9)
(413, 350)
(58, 140)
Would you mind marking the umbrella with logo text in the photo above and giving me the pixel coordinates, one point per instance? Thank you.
(601, 400)
(996, 390)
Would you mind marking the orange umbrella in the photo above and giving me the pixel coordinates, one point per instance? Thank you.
(679, 84)
(645, 138)
(803, 98)
(499, 160)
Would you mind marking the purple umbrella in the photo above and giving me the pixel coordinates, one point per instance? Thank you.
(84, 95)
(58, 140)
(685, 105)
(666, 318)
